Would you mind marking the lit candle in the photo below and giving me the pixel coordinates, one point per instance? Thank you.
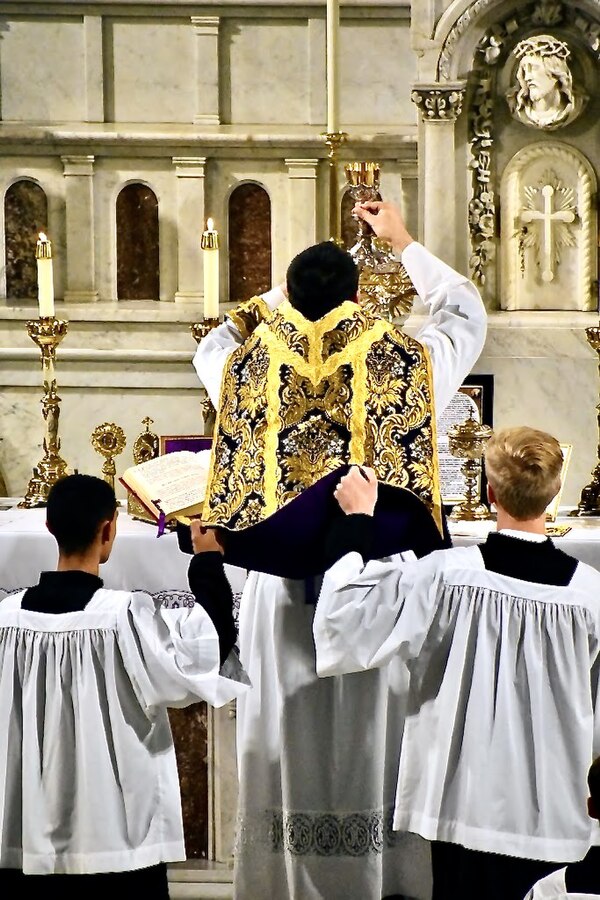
(43, 255)
(333, 23)
(210, 246)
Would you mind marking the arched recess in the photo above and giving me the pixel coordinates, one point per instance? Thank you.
(138, 259)
(25, 215)
(249, 241)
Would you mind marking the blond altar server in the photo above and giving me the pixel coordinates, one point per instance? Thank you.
(502, 643)
(89, 790)
(318, 757)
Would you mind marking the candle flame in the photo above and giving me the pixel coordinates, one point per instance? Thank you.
(42, 236)
(210, 225)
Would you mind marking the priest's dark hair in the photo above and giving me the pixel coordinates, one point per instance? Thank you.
(321, 278)
(77, 505)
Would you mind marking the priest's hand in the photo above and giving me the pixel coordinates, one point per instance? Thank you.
(205, 539)
(357, 491)
(386, 221)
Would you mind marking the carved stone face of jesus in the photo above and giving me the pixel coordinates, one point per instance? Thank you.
(541, 83)
(543, 95)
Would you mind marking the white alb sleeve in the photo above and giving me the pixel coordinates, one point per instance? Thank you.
(172, 655)
(368, 613)
(455, 329)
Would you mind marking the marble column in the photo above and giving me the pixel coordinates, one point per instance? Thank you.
(302, 175)
(440, 105)
(190, 224)
(207, 69)
(79, 200)
(94, 70)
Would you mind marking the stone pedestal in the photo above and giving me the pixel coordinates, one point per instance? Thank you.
(190, 224)
(81, 281)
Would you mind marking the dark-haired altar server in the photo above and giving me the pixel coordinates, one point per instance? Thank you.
(89, 791)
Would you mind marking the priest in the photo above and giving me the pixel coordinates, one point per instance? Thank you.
(304, 386)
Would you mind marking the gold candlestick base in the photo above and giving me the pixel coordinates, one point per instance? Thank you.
(589, 502)
(200, 330)
(334, 140)
(468, 441)
(47, 332)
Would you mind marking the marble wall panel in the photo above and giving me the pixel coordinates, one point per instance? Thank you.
(149, 70)
(377, 67)
(138, 261)
(249, 242)
(83, 407)
(42, 77)
(25, 216)
(264, 70)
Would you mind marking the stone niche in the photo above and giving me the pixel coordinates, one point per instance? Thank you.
(548, 230)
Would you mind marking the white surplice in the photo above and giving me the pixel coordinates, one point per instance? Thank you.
(501, 723)
(318, 758)
(88, 776)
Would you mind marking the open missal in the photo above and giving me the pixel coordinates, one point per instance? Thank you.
(170, 486)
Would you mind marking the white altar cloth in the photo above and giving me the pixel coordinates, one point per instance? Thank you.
(139, 560)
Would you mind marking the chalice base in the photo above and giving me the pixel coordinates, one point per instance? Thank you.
(465, 512)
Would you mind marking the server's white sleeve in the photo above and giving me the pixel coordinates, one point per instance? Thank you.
(369, 612)
(172, 655)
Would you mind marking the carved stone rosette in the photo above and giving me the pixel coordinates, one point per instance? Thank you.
(438, 102)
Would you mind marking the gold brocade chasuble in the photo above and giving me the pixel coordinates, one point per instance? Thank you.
(300, 399)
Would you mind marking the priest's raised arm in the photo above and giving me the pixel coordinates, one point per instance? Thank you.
(453, 332)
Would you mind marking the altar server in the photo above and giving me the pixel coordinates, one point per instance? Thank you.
(502, 644)
(318, 758)
(89, 792)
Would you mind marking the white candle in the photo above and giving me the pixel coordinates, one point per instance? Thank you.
(45, 279)
(210, 246)
(333, 23)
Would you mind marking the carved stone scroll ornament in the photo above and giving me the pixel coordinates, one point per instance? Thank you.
(438, 102)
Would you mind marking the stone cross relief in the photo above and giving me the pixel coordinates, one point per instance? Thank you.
(553, 216)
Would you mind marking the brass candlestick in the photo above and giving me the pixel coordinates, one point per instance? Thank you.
(334, 140)
(200, 330)
(385, 287)
(468, 441)
(589, 502)
(109, 440)
(47, 332)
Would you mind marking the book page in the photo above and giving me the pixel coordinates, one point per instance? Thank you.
(172, 482)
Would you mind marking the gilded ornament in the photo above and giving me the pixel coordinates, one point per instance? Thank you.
(109, 440)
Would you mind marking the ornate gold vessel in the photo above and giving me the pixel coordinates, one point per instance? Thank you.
(385, 287)
(467, 441)
(109, 440)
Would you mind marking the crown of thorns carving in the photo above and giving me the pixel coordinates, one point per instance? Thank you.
(542, 45)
